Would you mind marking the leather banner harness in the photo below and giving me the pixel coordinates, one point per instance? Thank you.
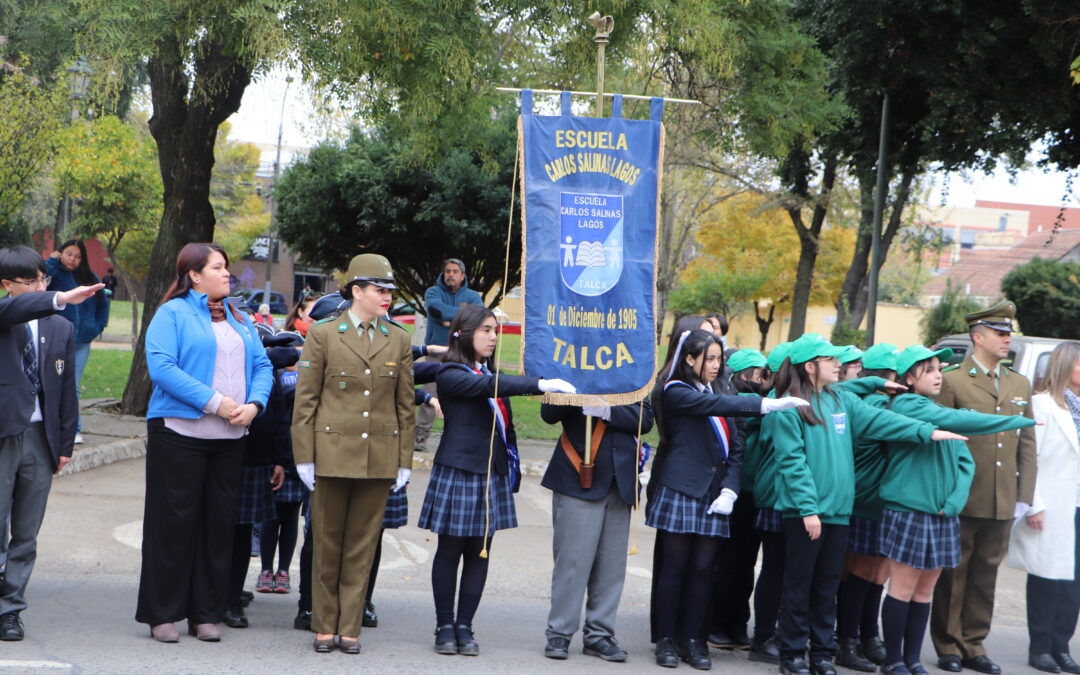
(585, 471)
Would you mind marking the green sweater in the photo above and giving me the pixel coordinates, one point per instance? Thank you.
(935, 477)
(815, 463)
(870, 461)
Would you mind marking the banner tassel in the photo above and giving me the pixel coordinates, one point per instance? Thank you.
(496, 355)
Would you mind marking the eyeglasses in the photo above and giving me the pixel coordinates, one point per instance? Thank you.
(44, 281)
(310, 295)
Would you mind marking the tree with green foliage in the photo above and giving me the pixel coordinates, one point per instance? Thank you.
(241, 214)
(109, 168)
(1047, 297)
(947, 316)
(30, 115)
(366, 196)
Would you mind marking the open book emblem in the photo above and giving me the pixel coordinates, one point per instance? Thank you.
(591, 242)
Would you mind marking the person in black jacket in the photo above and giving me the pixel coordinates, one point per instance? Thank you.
(470, 492)
(697, 477)
(591, 525)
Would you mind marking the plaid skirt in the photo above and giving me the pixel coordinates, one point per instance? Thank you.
(768, 520)
(864, 537)
(454, 504)
(254, 498)
(672, 511)
(922, 540)
(397, 509)
(292, 491)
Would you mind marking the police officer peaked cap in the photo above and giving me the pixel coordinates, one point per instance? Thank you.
(327, 305)
(998, 317)
(373, 269)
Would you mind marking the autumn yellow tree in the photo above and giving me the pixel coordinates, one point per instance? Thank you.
(749, 256)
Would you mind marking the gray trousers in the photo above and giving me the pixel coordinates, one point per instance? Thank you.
(590, 555)
(25, 479)
(425, 417)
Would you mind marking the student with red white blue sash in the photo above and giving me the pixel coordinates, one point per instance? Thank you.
(470, 493)
(696, 472)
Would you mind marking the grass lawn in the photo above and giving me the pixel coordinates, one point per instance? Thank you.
(119, 319)
(106, 373)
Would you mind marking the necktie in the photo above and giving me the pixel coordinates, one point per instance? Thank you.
(484, 370)
(994, 380)
(365, 339)
(30, 360)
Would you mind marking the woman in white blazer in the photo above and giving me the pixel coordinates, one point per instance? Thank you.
(1046, 543)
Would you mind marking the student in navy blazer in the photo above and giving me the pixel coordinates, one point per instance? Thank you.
(39, 413)
(591, 525)
(470, 492)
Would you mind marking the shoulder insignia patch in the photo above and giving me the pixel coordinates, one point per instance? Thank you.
(342, 327)
(382, 327)
(973, 372)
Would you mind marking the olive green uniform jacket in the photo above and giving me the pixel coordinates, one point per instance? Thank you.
(354, 415)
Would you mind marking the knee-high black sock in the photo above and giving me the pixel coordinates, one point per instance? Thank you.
(850, 599)
(917, 616)
(868, 626)
(894, 615)
(474, 571)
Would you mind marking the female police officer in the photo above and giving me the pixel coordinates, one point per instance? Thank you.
(353, 426)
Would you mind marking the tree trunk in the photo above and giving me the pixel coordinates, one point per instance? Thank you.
(764, 324)
(185, 121)
(860, 257)
(809, 247)
(134, 310)
(851, 305)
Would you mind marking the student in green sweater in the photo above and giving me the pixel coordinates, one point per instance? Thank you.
(859, 598)
(924, 488)
(816, 491)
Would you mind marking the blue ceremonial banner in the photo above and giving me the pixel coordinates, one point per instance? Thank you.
(591, 191)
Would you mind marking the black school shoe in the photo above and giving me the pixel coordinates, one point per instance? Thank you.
(794, 666)
(1043, 662)
(1067, 664)
(445, 640)
(981, 664)
(874, 650)
(369, 619)
(740, 638)
(696, 653)
(721, 640)
(234, 615)
(849, 655)
(950, 663)
(896, 669)
(606, 648)
(765, 652)
(557, 648)
(302, 620)
(11, 627)
(466, 643)
(666, 654)
(822, 666)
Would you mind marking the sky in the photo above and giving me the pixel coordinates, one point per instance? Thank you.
(261, 112)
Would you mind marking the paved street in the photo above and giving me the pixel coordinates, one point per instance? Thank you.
(82, 601)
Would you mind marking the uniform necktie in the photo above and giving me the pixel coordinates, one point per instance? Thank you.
(365, 337)
(30, 360)
(995, 380)
(484, 370)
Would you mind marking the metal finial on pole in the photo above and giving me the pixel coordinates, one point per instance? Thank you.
(603, 25)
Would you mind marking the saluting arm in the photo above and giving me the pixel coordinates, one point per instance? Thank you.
(461, 382)
(862, 386)
(879, 424)
(959, 420)
(689, 401)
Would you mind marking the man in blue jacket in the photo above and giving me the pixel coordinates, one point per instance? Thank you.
(450, 293)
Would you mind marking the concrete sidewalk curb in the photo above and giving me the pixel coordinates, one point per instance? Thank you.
(107, 453)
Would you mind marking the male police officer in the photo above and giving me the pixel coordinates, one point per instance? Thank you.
(1004, 485)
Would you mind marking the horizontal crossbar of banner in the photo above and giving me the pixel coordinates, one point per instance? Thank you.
(593, 93)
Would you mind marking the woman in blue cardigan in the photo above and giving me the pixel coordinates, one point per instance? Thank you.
(211, 378)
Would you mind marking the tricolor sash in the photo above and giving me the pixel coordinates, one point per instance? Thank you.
(718, 424)
(498, 409)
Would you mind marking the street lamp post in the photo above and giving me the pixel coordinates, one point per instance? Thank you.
(78, 85)
(273, 200)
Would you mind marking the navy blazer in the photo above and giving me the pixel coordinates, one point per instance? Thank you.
(60, 407)
(616, 458)
(689, 452)
(467, 415)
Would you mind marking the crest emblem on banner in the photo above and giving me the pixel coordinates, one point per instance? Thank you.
(590, 242)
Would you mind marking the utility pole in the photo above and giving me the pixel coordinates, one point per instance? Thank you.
(273, 200)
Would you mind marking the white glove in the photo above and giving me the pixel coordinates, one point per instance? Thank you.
(769, 405)
(557, 386)
(403, 476)
(724, 503)
(601, 411)
(306, 471)
(644, 477)
(1021, 510)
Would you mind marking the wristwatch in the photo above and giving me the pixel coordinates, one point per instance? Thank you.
(259, 406)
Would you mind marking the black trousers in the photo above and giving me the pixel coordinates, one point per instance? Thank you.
(770, 584)
(812, 571)
(733, 577)
(191, 486)
(1053, 606)
(306, 555)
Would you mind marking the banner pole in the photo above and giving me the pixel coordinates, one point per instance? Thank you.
(603, 26)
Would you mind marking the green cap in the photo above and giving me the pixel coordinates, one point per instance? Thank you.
(880, 357)
(812, 346)
(746, 358)
(852, 354)
(915, 353)
(777, 356)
